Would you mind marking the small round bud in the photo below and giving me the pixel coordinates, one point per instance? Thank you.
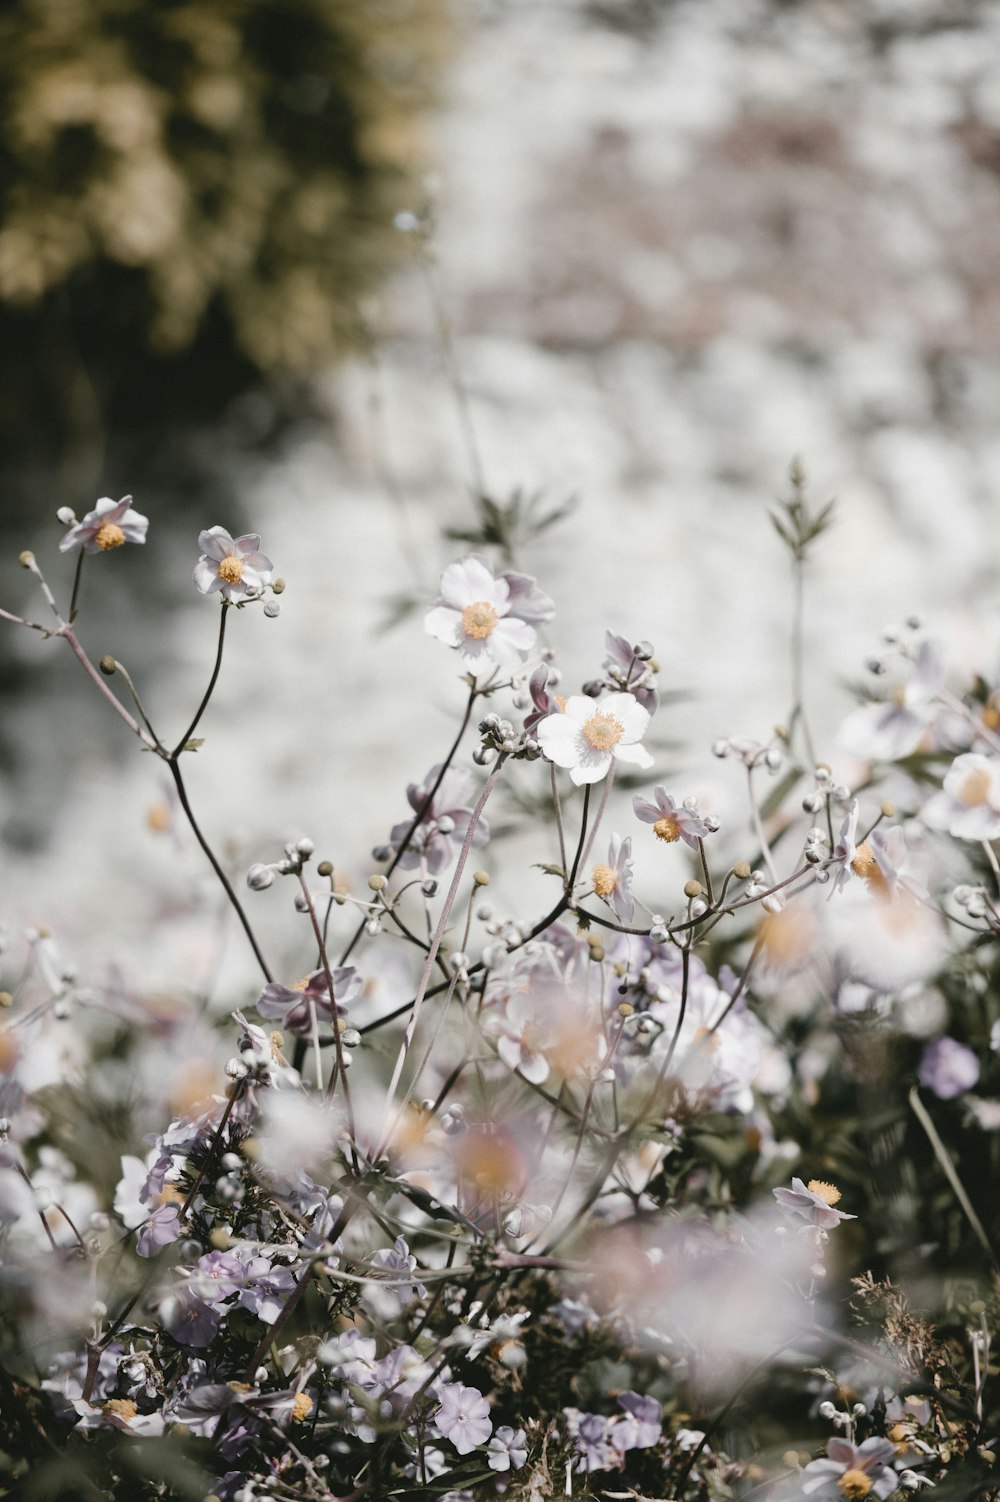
(773, 759)
(278, 587)
(859, 1410)
(772, 904)
(373, 927)
(26, 559)
(305, 848)
(481, 755)
(230, 1161)
(272, 609)
(377, 883)
(66, 515)
(813, 854)
(382, 853)
(891, 633)
(259, 877)
(823, 772)
(6, 1000)
(812, 803)
(98, 1221)
(597, 952)
(876, 666)
(693, 889)
(699, 907)
(61, 1009)
(827, 1410)
(350, 1037)
(741, 870)
(643, 650)
(963, 895)
(325, 868)
(720, 749)
(913, 623)
(446, 824)
(625, 1009)
(521, 701)
(236, 1069)
(458, 961)
(593, 688)
(108, 666)
(301, 902)
(822, 876)
(711, 823)
(887, 809)
(481, 878)
(429, 887)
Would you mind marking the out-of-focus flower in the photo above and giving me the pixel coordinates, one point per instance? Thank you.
(291, 1004)
(234, 565)
(463, 1416)
(507, 1450)
(671, 821)
(894, 728)
(814, 1202)
(613, 880)
(587, 736)
(439, 835)
(108, 526)
(948, 1068)
(487, 619)
(591, 1441)
(642, 1424)
(851, 1472)
(968, 806)
(162, 1227)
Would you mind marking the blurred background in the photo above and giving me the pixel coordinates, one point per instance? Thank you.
(329, 272)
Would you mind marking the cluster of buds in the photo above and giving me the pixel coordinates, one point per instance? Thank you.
(297, 853)
(825, 791)
(629, 669)
(894, 637)
(754, 753)
(500, 737)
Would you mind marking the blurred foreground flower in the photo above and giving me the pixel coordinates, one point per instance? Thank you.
(852, 1471)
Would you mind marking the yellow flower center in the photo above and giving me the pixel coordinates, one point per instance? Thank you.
(170, 1195)
(479, 620)
(828, 1193)
(122, 1408)
(302, 1407)
(667, 829)
(604, 881)
(300, 985)
(855, 1484)
(230, 570)
(974, 788)
(864, 863)
(109, 536)
(991, 716)
(602, 731)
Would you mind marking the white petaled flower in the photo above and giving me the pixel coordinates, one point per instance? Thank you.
(814, 1202)
(487, 619)
(589, 735)
(968, 806)
(895, 727)
(671, 821)
(613, 881)
(108, 526)
(234, 565)
(852, 1472)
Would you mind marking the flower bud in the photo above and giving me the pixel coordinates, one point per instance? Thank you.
(305, 848)
(720, 749)
(772, 904)
(278, 587)
(377, 883)
(693, 889)
(481, 878)
(107, 666)
(67, 516)
(429, 887)
(741, 870)
(325, 868)
(259, 877)
(446, 824)
(26, 559)
(887, 809)
(272, 609)
(373, 927)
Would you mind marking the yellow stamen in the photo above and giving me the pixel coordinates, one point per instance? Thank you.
(300, 985)
(855, 1484)
(170, 1195)
(121, 1408)
(602, 731)
(109, 536)
(302, 1407)
(604, 881)
(864, 863)
(828, 1193)
(230, 570)
(667, 829)
(974, 788)
(479, 620)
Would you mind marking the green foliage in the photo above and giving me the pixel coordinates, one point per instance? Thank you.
(797, 525)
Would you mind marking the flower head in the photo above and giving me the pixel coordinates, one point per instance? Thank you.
(814, 1202)
(852, 1472)
(439, 835)
(507, 1450)
(613, 880)
(631, 669)
(291, 1004)
(489, 620)
(463, 1416)
(968, 806)
(671, 821)
(108, 526)
(948, 1068)
(234, 565)
(589, 735)
(894, 727)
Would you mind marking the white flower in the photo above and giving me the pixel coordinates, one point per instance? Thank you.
(969, 804)
(109, 525)
(486, 618)
(613, 881)
(588, 735)
(814, 1202)
(236, 566)
(894, 728)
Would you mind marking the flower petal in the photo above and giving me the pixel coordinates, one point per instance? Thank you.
(445, 624)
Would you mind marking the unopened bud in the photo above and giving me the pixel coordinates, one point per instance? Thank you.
(305, 848)
(26, 559)
(429, 887)
(887, 809)
(6, 1000)
(108, 666)
(377, 883)
(597, 952)
(272, 609)
(259, 877)
(278, 587)
(772, 904)
(66, 515)
(693, 889)
(741, 870)
(481, 878)
(325, 868)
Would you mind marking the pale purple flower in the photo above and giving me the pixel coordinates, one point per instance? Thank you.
(628, 671)
(266, 1289)
(592, 1444)
(613, 880)
(488, 620)
(671, 821)
(813, 1202)
(290, 1005)
(968, 806)
(234, 565)
(189, 1319)
(868, 1463)
(439, 835)
(507, 1449)
(162, 1227)
(643, 1425)
(948, 1068)
(544, 702)
(108, 526)
(588, 736)
(463, 1416)
(217, 1276)
(845, 851)
(895, 727)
